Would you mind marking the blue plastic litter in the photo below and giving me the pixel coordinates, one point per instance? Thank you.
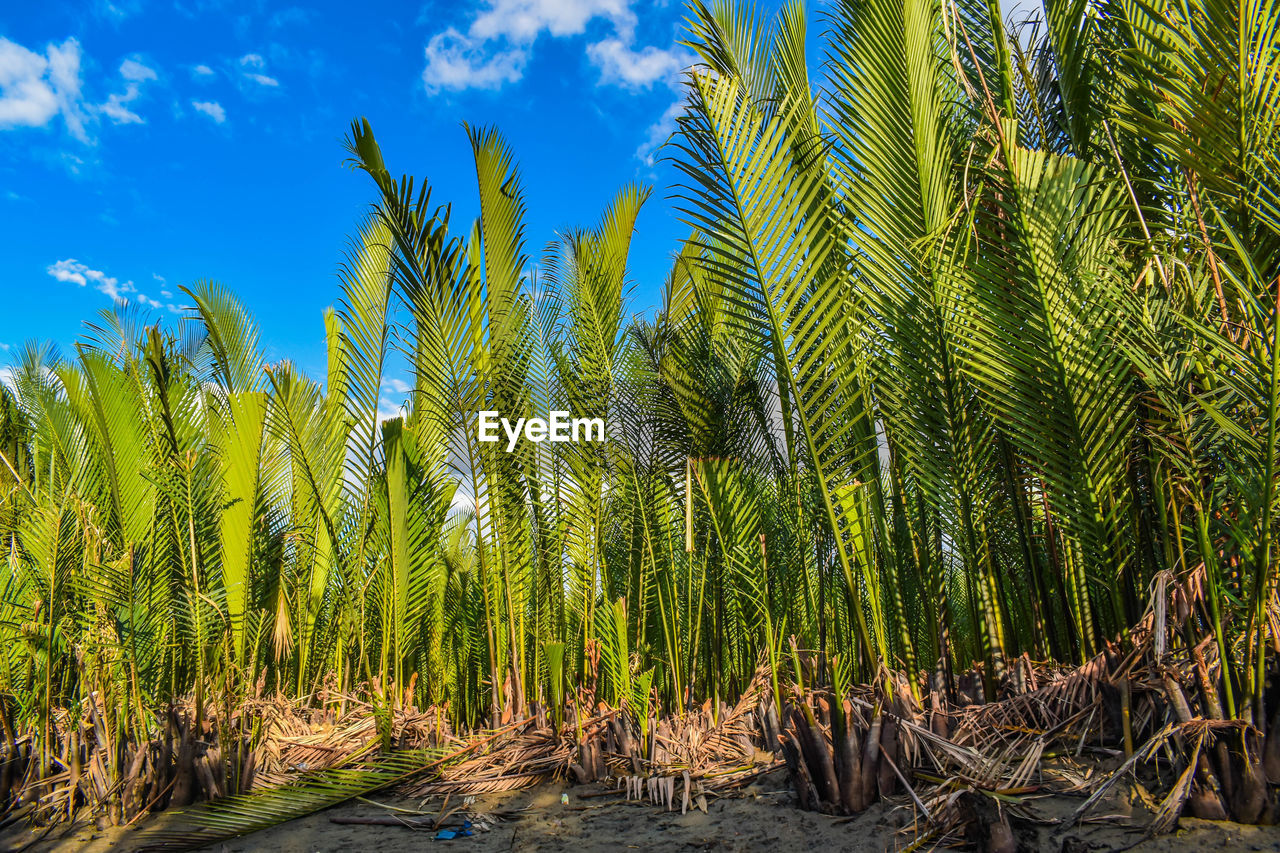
(451, 834)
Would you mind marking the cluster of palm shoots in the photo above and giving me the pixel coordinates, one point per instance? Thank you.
(969, 356)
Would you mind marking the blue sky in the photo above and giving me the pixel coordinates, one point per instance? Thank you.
(145, 145)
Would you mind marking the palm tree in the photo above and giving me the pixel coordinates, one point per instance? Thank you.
(969, 349)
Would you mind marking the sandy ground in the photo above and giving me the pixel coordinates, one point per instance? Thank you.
(764, 818)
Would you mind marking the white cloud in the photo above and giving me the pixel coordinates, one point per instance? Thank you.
(399, 386)
(202, 71)
(495, 46)
(135, 73)
(387, 409)
(620, 63)
(64, 74)
(68, 271)
(116, 12)
(116, 110)
(6, 377)
(74, 272)
(34, 88)
(457, 62)
(212, 109)
(499, 39)
(659, 132)
(26, 98)
(4, 347)
(522, 21)
(254, 66)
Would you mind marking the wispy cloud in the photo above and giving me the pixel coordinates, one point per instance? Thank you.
(74, 272)
(212, 109)
(253, 66)
(499, 40)
(116, 11)
(398, 386)
(289, 16)
(522, 21)
(659, 132)
(201, 71)
(387, 409)
(134, 74)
